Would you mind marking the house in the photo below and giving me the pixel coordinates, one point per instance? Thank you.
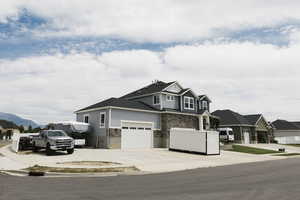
(286, 132)
(144, 117)
(246, 128)
(7, 129)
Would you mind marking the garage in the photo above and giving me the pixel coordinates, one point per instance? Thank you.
(136, 135)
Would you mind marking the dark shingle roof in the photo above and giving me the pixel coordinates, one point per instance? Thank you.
(285, 125)
(123, 103)
(252, 118)
(228, 117)
(297, 124)
(8, 124)
(152, 88)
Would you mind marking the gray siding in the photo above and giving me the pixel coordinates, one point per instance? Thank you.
(118, 115)
(94, 121)
(170, 104)
(148, 100)
(189, 94)
(286, 133)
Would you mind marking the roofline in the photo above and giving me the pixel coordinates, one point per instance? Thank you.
(189, 89)
(238, 125)
(139, 110)
(171, 85)
(143, 95)
(114, 107)
(206, 97)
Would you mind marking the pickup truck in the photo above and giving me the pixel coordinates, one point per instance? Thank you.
(53, 140)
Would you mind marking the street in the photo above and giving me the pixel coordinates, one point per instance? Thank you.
(264, 180)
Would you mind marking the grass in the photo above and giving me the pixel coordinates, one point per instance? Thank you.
(288, 154)
(251, 150)
(38, 168)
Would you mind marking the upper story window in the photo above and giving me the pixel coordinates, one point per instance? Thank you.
(102, 119)
(170, 98)
(205, 105)
(86, 118)
(156, 99)
(189, 103)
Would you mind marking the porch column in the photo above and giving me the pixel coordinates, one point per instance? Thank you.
(200, 123)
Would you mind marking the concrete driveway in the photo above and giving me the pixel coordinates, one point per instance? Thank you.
(149, 160)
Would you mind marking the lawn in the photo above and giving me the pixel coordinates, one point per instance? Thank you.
(251, 150)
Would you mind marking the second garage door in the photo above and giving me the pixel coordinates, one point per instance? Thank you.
(136, 135)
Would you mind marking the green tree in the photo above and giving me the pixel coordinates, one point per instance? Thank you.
(29, 129)
(21, 129)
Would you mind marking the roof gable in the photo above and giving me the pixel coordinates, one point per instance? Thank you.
(174, 88)
(253, 119)
(149, 89)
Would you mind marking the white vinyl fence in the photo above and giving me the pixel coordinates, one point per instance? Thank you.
(205, 142)
(288, 140)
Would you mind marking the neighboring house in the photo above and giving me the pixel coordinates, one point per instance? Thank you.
(143, 118)
(286, 132)
(7, 129)
(246, 128)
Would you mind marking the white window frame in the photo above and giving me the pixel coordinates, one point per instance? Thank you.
(158, 96)
(100, 123)
(88, 116)
(189, 103)
(205, 105)
(170, 97)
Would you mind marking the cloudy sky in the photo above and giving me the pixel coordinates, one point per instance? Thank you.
(58, 56)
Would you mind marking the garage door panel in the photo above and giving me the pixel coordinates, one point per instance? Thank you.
(136, 135)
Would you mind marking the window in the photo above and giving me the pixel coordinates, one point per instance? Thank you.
(223, 133)
(170, 98)
(86, 118)
(204, 105)
(102, 119)
(189, 103)
(156, 100)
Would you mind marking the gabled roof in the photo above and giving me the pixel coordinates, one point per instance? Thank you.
(229, 117)
(204, 96)
(285, 125)
(8, 124)
(253, 118)
(149, 89)
(122, 103)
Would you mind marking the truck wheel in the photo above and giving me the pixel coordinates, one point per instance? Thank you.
(35, 148)
(48, 150)
(70, 151)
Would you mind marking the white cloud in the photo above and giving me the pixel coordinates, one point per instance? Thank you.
(246, 77)
(156, 20)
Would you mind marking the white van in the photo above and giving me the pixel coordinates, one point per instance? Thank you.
(226, 134)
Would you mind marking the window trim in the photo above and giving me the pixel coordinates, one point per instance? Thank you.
(100, 123)
(206, 105)
(84, 116)
(172, 97)
(189, 103)
(158, 96)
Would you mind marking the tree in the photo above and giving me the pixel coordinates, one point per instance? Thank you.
(29, 129)
(21, 129)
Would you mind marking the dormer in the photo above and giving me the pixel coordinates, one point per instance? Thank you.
(204, 102)
(173, 88)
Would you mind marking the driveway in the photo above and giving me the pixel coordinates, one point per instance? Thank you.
(148, 160)
(288, 149)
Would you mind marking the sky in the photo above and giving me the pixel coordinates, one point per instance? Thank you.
(59, 56)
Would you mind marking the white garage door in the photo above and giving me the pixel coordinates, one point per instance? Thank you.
(136, 135)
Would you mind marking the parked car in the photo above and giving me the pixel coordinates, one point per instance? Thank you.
(226, 134)
(53, 140)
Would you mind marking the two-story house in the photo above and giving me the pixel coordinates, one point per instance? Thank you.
(143, 118)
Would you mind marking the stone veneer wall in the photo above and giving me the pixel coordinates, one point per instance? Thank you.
(169, 121)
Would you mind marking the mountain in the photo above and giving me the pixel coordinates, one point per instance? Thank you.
(18, 120)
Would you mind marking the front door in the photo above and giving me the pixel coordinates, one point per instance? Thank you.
(246, 138)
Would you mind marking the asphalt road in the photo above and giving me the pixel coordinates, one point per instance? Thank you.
(265, 180)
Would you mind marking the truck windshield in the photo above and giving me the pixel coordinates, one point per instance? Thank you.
(56, 133)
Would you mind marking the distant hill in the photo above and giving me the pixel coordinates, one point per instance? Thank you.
(18, 120)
